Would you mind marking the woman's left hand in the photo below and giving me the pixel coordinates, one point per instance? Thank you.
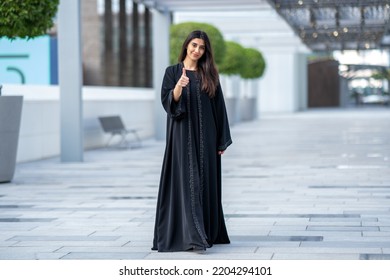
(220, 153)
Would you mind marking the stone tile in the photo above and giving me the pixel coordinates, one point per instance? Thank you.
(312, 233)
(25, 220)
(315, 256)
(341, 244)
(342, 228)
(103, 256)
(49, 256)
(347, 238)
(7, 255)
(131, 248)
(375, 257)
(16, 226)
(68, 243)
(321, 250)
(64, 238)
(377, 234)
(26, 253)
(4, 243)
(256, 238)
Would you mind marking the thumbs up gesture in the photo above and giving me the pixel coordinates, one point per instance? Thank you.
(184, 80)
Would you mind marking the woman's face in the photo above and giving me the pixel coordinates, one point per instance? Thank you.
(195, 49)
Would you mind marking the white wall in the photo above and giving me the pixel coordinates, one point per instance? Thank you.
(40, 124)
(283, 88)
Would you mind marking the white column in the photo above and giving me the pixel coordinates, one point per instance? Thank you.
(70, 80)
(161, 24)
(301, 81)
(284, 84)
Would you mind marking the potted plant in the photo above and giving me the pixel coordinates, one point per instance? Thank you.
(18, 19)
(231, 67)
(254, 66)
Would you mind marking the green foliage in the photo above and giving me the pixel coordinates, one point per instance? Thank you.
(233, 60)
(179, 33)
(254, 64)
(26, 18)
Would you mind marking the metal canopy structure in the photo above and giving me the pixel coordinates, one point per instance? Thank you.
(327, 25)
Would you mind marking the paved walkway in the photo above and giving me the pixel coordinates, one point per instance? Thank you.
(310, 185)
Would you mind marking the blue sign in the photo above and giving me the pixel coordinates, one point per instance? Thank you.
(27, 61)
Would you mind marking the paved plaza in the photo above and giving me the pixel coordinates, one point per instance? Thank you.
(311, 185)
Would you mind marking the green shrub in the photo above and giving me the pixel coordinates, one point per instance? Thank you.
(26, 18)
(233, 60)
(254, 64)
(180, 31)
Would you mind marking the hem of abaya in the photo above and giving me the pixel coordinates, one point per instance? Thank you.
(190, 248)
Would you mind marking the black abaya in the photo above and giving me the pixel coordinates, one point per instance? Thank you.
(189, 210)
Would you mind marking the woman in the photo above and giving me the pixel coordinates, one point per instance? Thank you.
(189, 212)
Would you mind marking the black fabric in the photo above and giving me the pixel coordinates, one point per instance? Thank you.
(189, 211)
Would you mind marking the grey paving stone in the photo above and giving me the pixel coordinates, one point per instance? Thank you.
(131, 248)
(29, 253)
(31, 243)
(384, 229)
(49, 256)
(355, 244)
(377, 234)
(103, 256)
(254, 238)
(375, 257)
(17, 226)
(342, 228)
(64, 238)
(9, 255)
(322, 250)
(25, 220)
(314, 256)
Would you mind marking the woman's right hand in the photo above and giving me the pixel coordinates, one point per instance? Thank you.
(184, 80)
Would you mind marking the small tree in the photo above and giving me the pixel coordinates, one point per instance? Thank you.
(254, 64)
(26, 18)
(179, 33)
(233, 60)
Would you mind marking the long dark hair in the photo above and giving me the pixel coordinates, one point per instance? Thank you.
(206, 65)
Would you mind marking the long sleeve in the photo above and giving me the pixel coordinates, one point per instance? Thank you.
(223, 129)
(175, 110)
